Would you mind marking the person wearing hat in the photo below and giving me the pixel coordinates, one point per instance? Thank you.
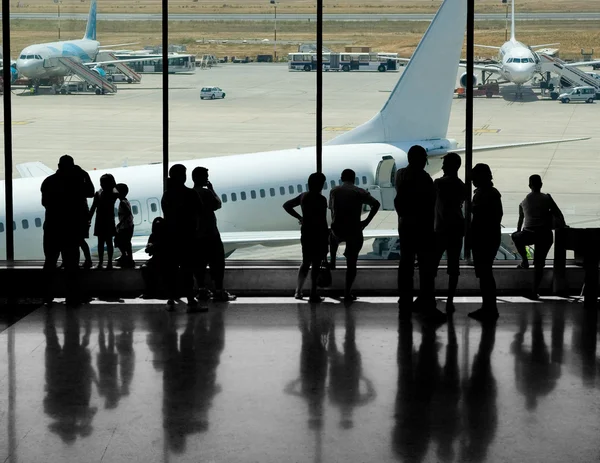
(210, 250)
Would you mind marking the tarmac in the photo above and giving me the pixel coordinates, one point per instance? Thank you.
(269, 108)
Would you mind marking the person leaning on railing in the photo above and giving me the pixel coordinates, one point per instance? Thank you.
(538, 215)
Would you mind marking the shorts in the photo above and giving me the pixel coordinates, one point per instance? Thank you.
(354, 244)
(542, 239)
(484, 254)
(452, 245)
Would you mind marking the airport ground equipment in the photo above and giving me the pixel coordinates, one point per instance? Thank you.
(570, 76)
(489, 89)
(130, 75)
(93, 78)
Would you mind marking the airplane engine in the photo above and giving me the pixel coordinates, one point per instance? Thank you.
(101, 72)
(464, 80)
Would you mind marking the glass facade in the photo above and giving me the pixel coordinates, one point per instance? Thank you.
(263, 108)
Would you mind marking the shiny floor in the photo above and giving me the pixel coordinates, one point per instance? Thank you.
(270, 380)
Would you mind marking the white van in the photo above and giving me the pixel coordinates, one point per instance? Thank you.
(587, 94)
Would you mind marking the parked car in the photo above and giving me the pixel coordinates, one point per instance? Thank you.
(211, 93)
(587, 94)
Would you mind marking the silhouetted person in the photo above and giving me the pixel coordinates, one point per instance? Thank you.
(536, 374)
(310, 385)
(108, 362)
(104, 227)
(211, 250)
(346, 202)
(314, 232)
(88, 192)
(346, 375)
(69, 377)
(64, 194)
(536, 214)
(180, 205)
(449, 224)
(485, 238)
(156, 267)
(125, 228)
(479, 399)
(126, 352)
(414, 204)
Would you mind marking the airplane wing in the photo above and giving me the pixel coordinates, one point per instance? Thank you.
(484, 67)
(488, 46)
(583, 63)
(118, 45)
(517, 145)
(34, 169)
(114, 61)
(544, 45)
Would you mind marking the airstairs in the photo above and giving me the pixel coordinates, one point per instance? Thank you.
(570, 75)
(129, 73)
(92, 78)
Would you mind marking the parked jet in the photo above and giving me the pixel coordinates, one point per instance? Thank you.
(253, 191)
(52, 62)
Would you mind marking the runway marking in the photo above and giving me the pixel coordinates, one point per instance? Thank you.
(17, 122)
(484, 129)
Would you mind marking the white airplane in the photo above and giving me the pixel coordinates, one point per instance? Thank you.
(254, 190)
(517, 63)
(52, 62)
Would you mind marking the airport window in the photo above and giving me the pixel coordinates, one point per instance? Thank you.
(364, 180)
(135, 210)
(291, 188)
(233, 197)
(299, 187)
(262, 193)
(243, 196)
(153, 207)
(38, 222)
(25, 224)
(253, 194)
(1, 227)
(281, 191)
(224, 198)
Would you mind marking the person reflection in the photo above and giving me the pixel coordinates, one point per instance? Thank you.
(107, 362)
(536, 374)
(479, 393)
(446, 420)
(313, 364)
(346, 375)
(418, 375)
(190, 374)
(584, 343)
(126, 352)
(69, 377)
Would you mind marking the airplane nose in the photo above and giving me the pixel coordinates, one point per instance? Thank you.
(26, 67)
(523, 74)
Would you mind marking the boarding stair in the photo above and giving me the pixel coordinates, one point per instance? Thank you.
(129, 73)
(570, 75)
(92, 78)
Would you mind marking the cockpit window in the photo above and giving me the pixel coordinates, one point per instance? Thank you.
(510, 60)
(30, 56)
(38, 57)
(23, 57)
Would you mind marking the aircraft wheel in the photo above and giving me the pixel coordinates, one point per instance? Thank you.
(98, 91)
(489, 94)
(129, 80)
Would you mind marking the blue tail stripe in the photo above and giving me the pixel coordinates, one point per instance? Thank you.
(90, 30)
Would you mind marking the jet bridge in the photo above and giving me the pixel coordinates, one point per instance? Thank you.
(570, 75)
(91, 77)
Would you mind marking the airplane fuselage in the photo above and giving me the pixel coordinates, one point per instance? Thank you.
(253, 187)
(39, 61)
(518, 62)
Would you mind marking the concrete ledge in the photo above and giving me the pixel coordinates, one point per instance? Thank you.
(277, 279)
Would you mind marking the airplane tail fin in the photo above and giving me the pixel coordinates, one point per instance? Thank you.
(90, 30)
(512, 22)
(419, 106)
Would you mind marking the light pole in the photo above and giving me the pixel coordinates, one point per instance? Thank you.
(58, 2)
(274, 3)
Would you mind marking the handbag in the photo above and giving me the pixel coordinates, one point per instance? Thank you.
(324, 279)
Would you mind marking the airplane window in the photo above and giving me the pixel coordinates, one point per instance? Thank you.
(243, 195)
(272, 191)
(325, 186)
(306, 187)
(299, 187)
(364, 180)
(509, 60)
(25, 224)
(38, 57)
(224, 198)
(23, 57)
(116, 212)
(356, 181)
(340, 181)
(332, 184)
(1, 227)
(262, 193)
(30, 56)
(281, 191)
(153, 207)
(233, 197)
(291, 188)
(14, 225)
(38, 222)
(253, 194)
(135, 210)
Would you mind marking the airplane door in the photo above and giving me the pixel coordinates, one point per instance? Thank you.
(136, 208)
(384, 179)
(153, 209)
